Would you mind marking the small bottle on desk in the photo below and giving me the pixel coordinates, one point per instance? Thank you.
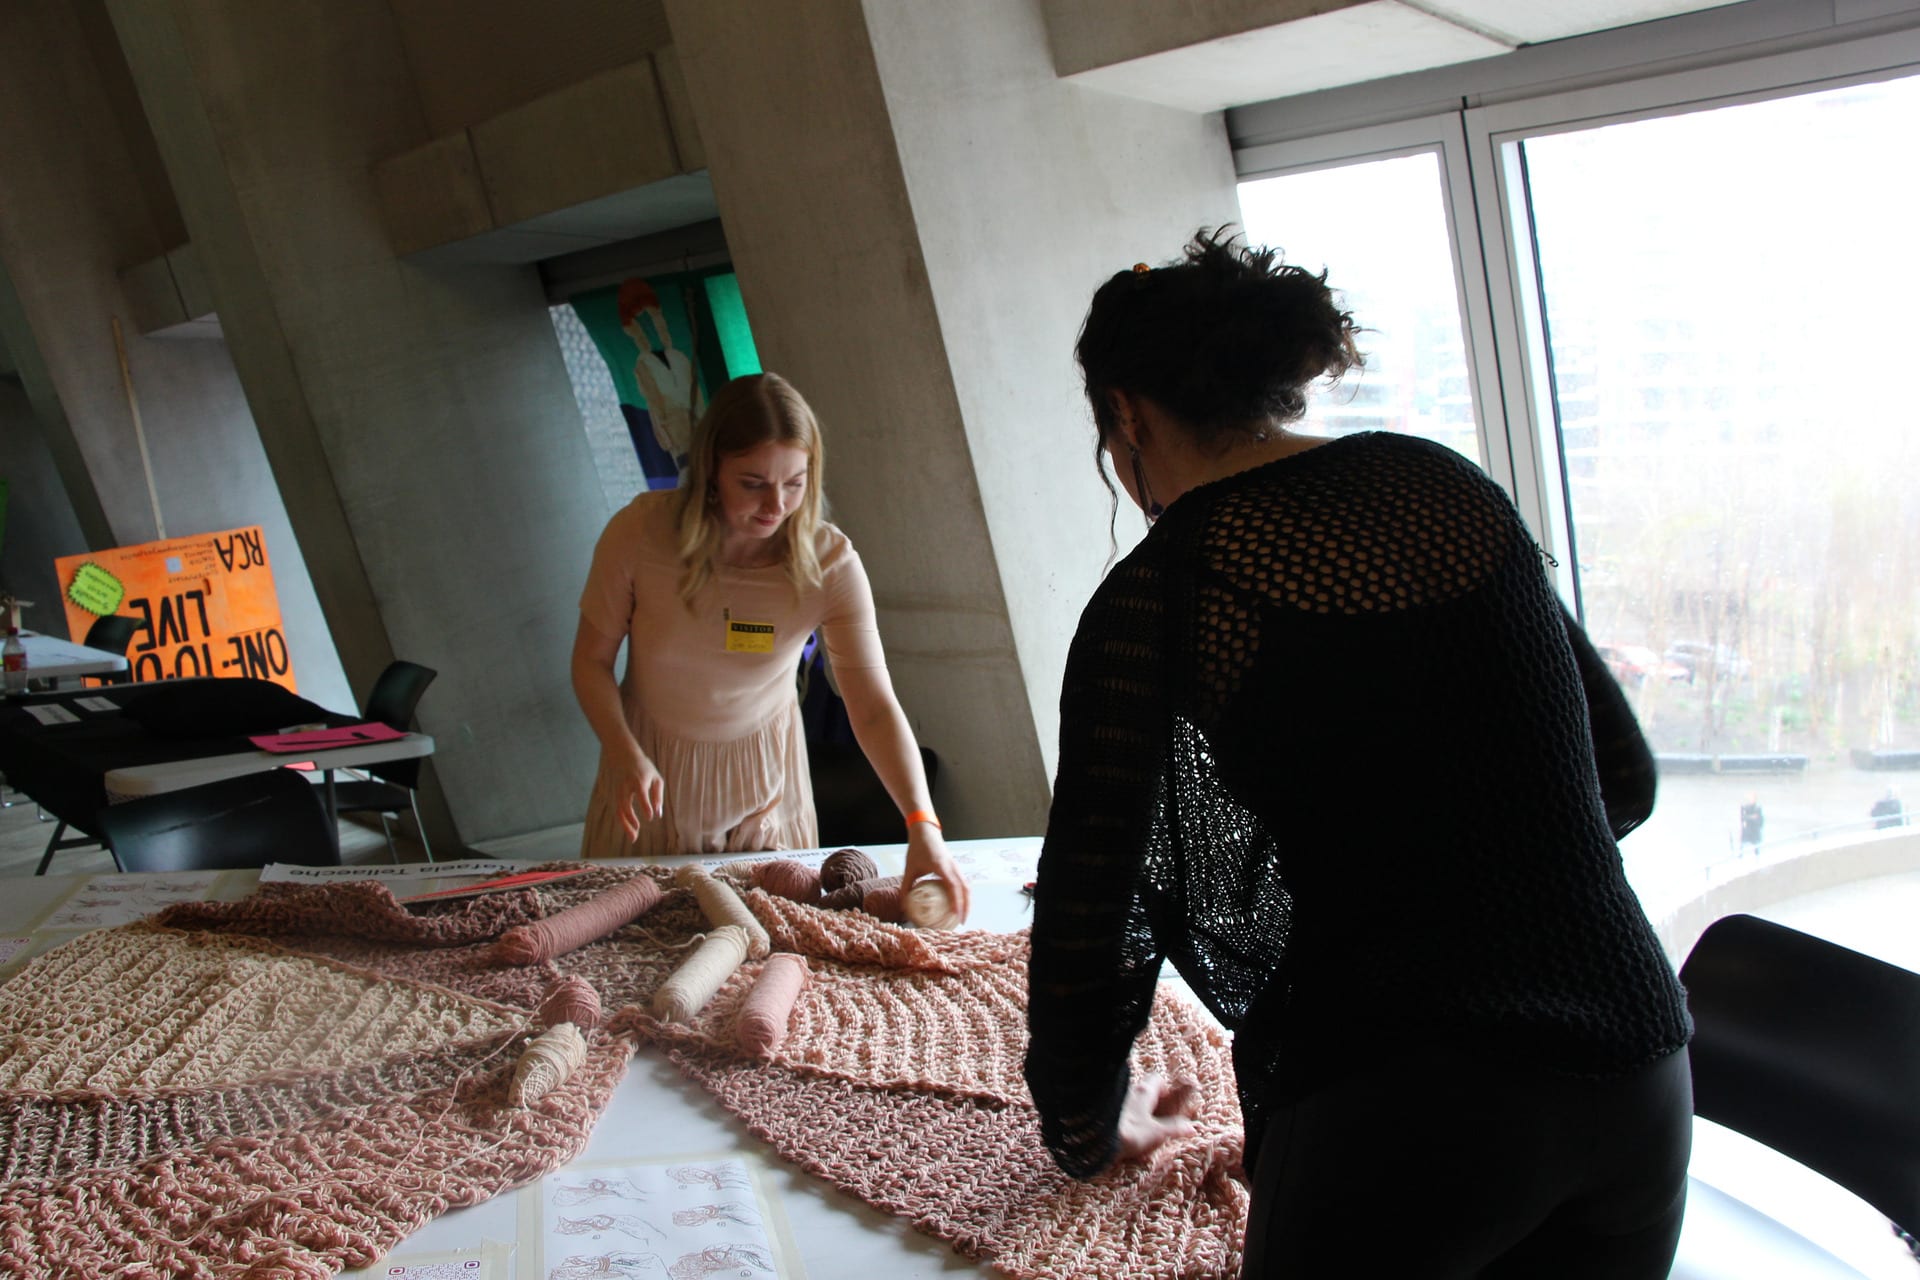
(15, 661)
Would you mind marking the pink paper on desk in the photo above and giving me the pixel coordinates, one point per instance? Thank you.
(352, 735)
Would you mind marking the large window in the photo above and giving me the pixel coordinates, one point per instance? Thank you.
(1685, 324)
(1727, 298)
(1379, 230)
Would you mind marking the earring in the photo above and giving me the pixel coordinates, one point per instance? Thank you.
(713, 495)
(1147, 504)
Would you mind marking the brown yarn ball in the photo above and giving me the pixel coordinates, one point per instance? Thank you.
(883, 903)
(788, 879)
(844, 867)
(572, 999)
(845, 898)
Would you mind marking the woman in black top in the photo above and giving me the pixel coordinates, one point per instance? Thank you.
(1331, 744)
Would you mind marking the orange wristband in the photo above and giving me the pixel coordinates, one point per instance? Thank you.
(924, 815)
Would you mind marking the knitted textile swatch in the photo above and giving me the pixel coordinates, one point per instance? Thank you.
(907, 1043)
(288, 1085)
(189, 1104)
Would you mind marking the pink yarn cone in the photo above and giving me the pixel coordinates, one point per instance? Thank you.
(577, 926)
(761, 1025)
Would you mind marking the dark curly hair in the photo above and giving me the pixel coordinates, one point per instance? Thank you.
(1226, 339)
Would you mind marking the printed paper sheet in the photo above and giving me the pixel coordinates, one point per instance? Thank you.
(683, 1220)
(109, 900)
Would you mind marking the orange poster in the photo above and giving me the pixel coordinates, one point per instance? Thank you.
(207, 601)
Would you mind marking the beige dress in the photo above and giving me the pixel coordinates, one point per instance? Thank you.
(710, 692)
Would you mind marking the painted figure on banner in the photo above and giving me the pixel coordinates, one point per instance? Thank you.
(666, 374)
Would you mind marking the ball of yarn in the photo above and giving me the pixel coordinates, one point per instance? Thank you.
(761, 1025)
(546, 1063)
(853, 896)
(883, 903)
(722, 906)
(788, 879)
(572, 999)
(928, 905)
(844, 867)
(686, 993)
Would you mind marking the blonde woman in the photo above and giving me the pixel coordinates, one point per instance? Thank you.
(714, 587)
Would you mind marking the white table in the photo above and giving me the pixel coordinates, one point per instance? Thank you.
(655, 1113)
(136, 781)
(58, 660)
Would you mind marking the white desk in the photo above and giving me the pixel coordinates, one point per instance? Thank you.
(135, 781)
(657, 1114)
(57, 660)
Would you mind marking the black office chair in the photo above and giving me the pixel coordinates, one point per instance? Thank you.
(248, 821)
(849, 799)
(391, 788)
(113, 632)
(1813, 1050)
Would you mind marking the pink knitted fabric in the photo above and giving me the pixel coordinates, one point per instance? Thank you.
(905, 1043)
(289, 1085)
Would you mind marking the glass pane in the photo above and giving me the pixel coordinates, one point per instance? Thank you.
(1727, 296)
(1379, 230)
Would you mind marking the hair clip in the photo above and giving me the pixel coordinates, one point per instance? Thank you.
(1141, 268)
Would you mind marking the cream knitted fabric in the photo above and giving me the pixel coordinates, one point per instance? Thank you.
(181, 1104)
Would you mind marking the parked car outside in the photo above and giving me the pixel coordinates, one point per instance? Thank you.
(1697, 656)
(1635, 664)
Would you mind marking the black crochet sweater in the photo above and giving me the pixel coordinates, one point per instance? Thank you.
(1330, 743)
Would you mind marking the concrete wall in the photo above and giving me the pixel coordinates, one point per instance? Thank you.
(39, 522)
(1097, 33)
(821, 228)
(916, 249)
(76, 210)
(1026, 194)
(419, 422)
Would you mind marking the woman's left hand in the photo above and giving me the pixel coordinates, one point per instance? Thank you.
(927, 856)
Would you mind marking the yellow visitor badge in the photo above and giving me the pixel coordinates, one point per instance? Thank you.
(748, 637)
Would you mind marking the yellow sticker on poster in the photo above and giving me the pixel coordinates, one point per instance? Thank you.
(207, 603)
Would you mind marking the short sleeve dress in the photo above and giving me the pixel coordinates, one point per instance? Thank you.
(710, 691)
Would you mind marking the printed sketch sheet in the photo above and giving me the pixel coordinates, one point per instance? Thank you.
(488, 1262)
(106, 901)
(668, 1220)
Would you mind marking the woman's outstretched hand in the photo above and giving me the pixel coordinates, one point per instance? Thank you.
(1156, 1109)
(639, 792)
(927, 856)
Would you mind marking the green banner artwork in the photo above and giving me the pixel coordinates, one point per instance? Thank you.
(668, 341)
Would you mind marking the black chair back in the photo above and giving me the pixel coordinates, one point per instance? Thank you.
(249, 821)
(391, 701)
(112, 632)
(1814, 1050)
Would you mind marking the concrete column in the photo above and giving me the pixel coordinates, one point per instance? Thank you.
(40, 521)
(419, 421)
(919, 211)
(75, 212)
